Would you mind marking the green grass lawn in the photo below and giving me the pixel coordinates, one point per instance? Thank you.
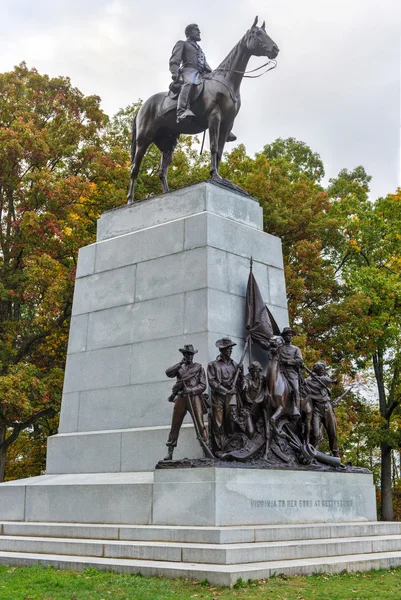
(40, 583)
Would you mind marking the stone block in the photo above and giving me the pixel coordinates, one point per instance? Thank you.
(85, 498)
(104, 290)
(307, 497)
(233, 206)
(170, 275)
(25, 544)
(158, 318)
(111, 327)
(226, 313)
(196, 311)
(205, 196)
(238, 273)
(78, 334)
(97, 369)
(151, 551)
(86, 261)
(12, 505)
(251, 496)
(227, 235)
(197, 535)
(84, 453)
(196, 494)
(196, 231)
(69, 413)
(107, 532)
(140, 246)
(133, 457)
(278, 294)
(163, 353)
(131, 406)
(275, 533)
(113, 451)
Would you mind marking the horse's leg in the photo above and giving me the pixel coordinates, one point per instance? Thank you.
(214, 135)
(141, 148)
(308, 422)
(166, 147)
(274, 418)
(223, 135)
(166, 158)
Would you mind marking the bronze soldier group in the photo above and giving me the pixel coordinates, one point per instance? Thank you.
(241, 407)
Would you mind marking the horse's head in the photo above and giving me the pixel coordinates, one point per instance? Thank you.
(274, 344)
(259, 43)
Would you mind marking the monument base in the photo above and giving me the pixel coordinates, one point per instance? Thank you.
(236, 496)
(210, 496)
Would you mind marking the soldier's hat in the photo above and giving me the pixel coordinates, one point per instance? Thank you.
(255, 366)
(319, 363)
(288, 330)
(188, 348)
(225, 343)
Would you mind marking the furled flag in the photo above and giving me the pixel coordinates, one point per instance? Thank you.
(258, 319)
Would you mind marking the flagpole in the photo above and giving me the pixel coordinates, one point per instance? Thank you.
(249, 337)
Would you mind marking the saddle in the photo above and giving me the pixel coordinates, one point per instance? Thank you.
(170, 99)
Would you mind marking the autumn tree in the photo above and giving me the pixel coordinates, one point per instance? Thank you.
(57, 174)
(368, 259)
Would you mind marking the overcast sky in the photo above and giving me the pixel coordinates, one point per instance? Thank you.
(336, 87)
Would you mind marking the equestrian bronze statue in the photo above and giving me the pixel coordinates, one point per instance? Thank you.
(212, 97)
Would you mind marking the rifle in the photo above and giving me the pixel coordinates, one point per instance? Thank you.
(336, 401)
(208, 453)
(241, 362)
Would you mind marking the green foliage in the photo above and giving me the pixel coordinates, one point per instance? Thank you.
(296, 158)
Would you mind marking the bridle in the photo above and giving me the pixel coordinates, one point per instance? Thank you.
(244, 73)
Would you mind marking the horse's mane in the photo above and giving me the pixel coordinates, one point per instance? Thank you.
(226, 64)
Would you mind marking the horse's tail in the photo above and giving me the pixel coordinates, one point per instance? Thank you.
(133, 138)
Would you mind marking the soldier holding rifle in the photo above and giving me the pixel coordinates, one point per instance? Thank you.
(225, 380)
(290, 358)
(188, 396)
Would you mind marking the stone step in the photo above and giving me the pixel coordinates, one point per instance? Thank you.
(234, 553)
(197, 534)
(225, 575)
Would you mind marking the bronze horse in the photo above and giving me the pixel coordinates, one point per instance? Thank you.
(215, 110)
(279, 402)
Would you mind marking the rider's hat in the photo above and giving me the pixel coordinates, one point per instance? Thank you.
(188, 348)
(225, 343)
(288, 330)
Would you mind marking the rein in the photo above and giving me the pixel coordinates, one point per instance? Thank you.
(245, 73)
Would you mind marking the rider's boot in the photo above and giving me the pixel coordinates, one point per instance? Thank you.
(296, 413)
(231, 137)
(169, 455)
(183, 110)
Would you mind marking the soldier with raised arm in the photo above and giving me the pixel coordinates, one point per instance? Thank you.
(323, 413)
(187, 395)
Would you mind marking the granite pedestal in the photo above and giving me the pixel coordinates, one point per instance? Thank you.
(164, 272)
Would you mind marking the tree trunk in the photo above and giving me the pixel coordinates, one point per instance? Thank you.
(386, 489)
(3, 452)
